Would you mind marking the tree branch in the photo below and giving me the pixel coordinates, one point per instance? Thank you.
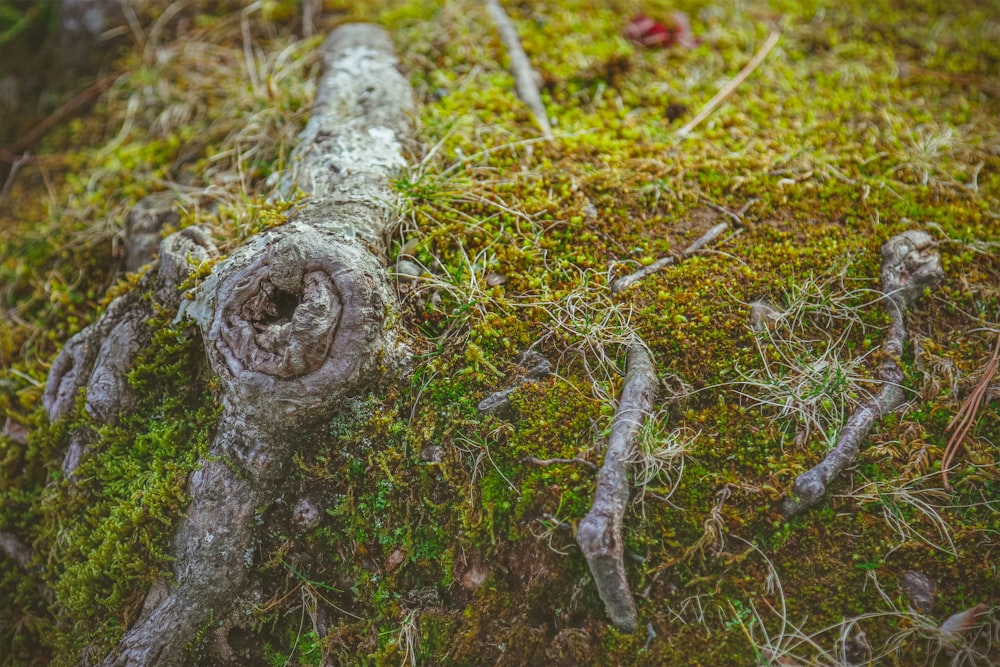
(600, 531)
(910, 263)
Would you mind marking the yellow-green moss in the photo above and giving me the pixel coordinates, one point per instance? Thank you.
(866, 120)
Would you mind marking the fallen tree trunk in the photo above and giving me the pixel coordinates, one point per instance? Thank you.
(293, 322)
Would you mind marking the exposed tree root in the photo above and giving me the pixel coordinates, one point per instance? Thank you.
(910, 263)
(293, 322)
(525, 77)
(600, 532)
(623, 283)
(101, 355)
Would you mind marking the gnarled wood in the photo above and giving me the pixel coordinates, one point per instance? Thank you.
(293, 322)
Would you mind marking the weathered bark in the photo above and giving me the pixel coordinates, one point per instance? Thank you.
(100, 356)
(294, 321)
(600, 532)
(910, 263)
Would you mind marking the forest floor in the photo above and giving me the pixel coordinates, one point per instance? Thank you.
(443, 540)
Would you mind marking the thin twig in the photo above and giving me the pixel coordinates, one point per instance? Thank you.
(623, 283)
(963, 420)
(62, 113)
(547, 462)
(728, 89)
(520, 67)
(599, 534)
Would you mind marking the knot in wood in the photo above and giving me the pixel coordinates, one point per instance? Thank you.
(910, 262)
(295, 320)
(281, 321)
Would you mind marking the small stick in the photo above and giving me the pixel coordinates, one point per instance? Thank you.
(910, 263)
(623, 283)
(728, 89)
(600, 532)
(966, 415)
(62, 113)
(520, 66)
(547, 462)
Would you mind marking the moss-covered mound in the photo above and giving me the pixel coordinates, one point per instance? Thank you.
(446, 537)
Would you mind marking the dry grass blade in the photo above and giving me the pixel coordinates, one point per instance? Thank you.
(10, 152)
(728, 89)
(966, 415)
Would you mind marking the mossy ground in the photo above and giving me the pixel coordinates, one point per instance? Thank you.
(439, 543)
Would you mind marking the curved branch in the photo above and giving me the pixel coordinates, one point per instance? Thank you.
(910, 263)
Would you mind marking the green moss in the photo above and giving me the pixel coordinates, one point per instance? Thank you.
(866, 120)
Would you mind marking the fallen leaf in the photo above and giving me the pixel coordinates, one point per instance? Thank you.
(645, 31)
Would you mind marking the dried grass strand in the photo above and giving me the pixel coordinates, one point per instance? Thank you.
(962, 422)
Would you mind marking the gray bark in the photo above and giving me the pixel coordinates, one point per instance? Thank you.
(100, 356)
(910, 264)
(293, 322)
(600, 532)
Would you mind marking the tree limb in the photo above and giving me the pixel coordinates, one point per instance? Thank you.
(600, 531)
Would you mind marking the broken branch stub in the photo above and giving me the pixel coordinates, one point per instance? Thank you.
(910, 264)
(294, 321)
(600, 531)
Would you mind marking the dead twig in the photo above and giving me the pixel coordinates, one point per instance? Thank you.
(547, 462)
(9, 153)
(520, 67)
(623, 283)
(963, 420)
(600, 532)
(728, 89)
(910, 263)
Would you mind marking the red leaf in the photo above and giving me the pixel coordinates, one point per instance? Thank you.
(650, 33)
